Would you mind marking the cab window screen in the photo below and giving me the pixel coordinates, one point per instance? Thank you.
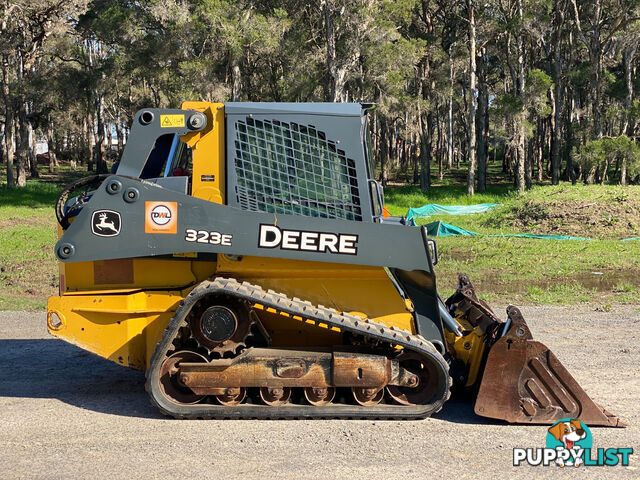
(291, 168)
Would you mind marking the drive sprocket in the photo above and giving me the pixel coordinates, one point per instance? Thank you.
(220, 325)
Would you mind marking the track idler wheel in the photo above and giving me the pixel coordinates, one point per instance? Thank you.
(367, 397)
(169, 382)
(426, 381)
(320, 396)
(275, 396)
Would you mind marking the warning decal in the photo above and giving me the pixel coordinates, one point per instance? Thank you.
(171, 121)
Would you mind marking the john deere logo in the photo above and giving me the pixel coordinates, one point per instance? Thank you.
(161, 215)
(569, 443)
(105, 223)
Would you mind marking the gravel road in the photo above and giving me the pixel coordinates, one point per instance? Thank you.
(70, 414)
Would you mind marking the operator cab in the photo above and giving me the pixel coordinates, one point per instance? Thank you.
(310, 159)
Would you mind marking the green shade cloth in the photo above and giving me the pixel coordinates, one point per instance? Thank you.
(435, 209)
(442, 229)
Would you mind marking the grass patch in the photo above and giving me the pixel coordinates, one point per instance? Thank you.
(36, 194)
(28, 268)
(511, 269)
(399, 199)
(536, 271)
(15, 303)
(567, 294)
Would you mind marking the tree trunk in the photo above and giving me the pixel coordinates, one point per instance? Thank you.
(23, 149)
(119, 136)
(99, 147)
(557, 71)
(520, 156)
(597, 97)
(22, 145)
(481, 125)
(414, 158)
(440, 149)
(450, 115)
(426, 144)
(337, 76)
(568, 144)
(505, 160)
(384, 151)
(627, 59)
(594, 47)
(528, 165)
(542, 127)
(9, 148)
(32, 154)
(9, 123)
(53, 161)
(91, 140)
(471, 132)
(236, 79)
(556, 142)
(393, 149)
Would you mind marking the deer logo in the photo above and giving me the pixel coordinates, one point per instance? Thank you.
(105, 223)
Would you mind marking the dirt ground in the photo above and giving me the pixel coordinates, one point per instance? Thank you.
(610, 213)
(70, 414)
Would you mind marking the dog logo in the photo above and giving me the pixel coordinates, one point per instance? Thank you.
(161, 217)
(105, 223)
(571, 435)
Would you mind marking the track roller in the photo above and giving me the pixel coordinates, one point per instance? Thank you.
(320, 396)
(275, 396)
(232, 396)
(367, 397)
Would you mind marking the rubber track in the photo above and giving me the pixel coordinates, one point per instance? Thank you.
(306, 311)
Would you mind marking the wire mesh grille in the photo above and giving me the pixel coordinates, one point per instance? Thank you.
(291, 168)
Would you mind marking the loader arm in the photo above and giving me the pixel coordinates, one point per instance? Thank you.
(208, 229)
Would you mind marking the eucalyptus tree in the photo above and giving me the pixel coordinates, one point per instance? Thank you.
(596, 23)
(26, 28)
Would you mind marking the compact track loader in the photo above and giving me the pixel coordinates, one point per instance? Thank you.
(242, 256)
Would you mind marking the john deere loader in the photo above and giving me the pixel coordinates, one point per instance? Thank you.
(241, 255)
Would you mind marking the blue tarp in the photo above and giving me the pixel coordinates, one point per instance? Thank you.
(632, 238)
(435, 209)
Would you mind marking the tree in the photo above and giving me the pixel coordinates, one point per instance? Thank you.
(25, 28)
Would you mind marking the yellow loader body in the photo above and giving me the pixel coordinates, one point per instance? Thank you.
(241, 255)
